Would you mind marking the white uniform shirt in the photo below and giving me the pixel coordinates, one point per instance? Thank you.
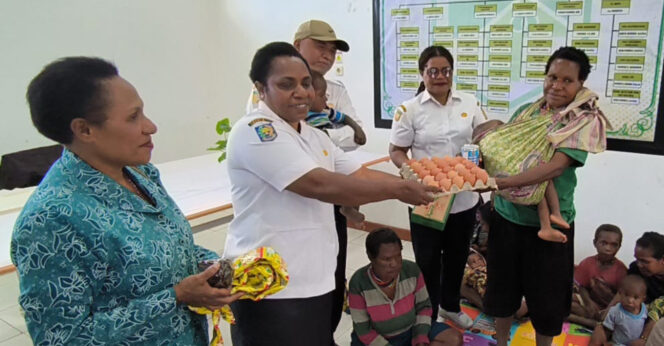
(265, 155)
(338, 99)
(430, 129)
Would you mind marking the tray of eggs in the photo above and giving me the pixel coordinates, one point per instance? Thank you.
(450, 174)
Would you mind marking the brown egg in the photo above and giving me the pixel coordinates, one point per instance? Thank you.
(427, 179)
(434, 184)
(423, 173)
(424, 161)
(469, 164)
(458, 181)
(435, 171)
(440, 176)
(410, 161)
(452, 174)
(446, 168)
(457, 159)
(482, 175)
(445, 183)
(470, 177)
(475, 169)
(437, 160)
(447, 159)
(415, 165)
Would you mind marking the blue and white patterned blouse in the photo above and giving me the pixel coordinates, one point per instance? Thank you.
(97, 264)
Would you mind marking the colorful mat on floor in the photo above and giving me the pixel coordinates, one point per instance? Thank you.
(522, 334)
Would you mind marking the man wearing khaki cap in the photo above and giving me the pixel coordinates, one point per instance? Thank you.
(318, 44)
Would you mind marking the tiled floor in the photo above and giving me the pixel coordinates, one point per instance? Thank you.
(13, 331)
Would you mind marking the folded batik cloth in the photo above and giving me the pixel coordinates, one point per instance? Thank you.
(258, 273)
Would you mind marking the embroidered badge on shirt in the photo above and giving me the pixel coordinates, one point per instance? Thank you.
(399, 112)
(324, 152)
(464, 115)
(266, 132)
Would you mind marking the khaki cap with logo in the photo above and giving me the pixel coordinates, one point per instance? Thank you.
(321, 31)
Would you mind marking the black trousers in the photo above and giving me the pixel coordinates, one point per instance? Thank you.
(282, 322)
(443, 273)
(520, 264)
(340, 272)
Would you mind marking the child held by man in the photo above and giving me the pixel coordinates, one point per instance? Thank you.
(322, 117)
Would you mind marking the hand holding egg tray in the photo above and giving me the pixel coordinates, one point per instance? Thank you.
(451, 174)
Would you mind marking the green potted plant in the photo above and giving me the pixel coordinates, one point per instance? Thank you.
(223, 128)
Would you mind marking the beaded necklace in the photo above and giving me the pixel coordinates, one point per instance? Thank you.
(381, 283)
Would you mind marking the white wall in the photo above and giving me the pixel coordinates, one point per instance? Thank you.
(190, 62)
(614, 187)
(169, 49)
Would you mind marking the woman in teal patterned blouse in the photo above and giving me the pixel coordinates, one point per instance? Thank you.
(104, 255)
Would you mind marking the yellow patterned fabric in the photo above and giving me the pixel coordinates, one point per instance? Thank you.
(656, 309)
(258, 273)
(532, 137)
(217, 315)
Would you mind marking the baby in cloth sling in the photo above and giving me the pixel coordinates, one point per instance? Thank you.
(531, 139)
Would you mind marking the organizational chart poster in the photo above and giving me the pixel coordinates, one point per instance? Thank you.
(501, 47)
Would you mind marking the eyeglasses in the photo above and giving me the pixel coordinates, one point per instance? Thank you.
(433, 72)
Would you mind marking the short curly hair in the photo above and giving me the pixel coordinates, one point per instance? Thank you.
(67, 89)
(572, 54)
(378, 237)
(607, 227)
(262, 61)
(654, 242)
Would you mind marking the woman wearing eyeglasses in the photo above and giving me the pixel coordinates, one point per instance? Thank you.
(438, 121)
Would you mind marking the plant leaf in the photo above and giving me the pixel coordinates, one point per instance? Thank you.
(223, 126)
(222, 157)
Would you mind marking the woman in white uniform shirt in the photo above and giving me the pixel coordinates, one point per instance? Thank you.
(283, 184)
(437, 122)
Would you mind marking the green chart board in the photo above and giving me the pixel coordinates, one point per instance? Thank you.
(501, 48)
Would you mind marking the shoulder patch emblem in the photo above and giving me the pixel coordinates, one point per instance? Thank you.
(325, 152)
(259, 120)
(266, 132)
(399, 112)
(464, 115)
